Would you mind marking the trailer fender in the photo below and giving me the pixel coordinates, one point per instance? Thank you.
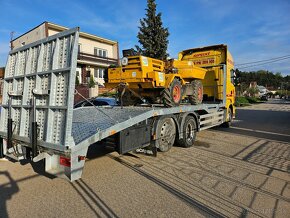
(170, 77)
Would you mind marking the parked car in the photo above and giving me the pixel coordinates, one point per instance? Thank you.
(264, 97)
(97, 101)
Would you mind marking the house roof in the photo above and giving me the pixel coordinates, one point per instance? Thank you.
(62, 28)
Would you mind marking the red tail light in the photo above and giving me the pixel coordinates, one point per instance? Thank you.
(64, 161)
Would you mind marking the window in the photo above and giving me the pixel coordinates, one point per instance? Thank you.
(99, 73)
(78, 75)
(100, 52)
(79, 47)
(96, 73)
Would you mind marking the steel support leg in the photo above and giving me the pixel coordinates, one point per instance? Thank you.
(9, 125)
(1, 148)
(34, 129)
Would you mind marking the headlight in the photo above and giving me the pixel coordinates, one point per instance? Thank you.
(124, 61)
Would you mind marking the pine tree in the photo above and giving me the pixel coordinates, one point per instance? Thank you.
(152, 36)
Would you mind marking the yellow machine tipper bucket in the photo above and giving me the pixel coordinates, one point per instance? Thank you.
(137, 72)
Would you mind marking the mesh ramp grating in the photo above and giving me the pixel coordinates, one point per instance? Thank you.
(89, 121)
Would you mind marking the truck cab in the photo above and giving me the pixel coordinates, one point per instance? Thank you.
(218, 62)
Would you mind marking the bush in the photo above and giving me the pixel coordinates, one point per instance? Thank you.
(241, 101)
(77, 81)
(252, 91)
(92, 82)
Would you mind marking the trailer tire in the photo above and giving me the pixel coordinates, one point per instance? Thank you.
(188, 132)
(197, 96)
(165, 133)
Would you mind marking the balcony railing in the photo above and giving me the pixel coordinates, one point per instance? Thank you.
(94, 58)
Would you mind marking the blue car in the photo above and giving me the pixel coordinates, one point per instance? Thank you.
(98, 101)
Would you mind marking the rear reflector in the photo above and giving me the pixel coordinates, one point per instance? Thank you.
(64, 161)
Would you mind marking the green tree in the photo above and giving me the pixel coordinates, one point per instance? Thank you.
(153, 37)
(252, 91)
(262, 77)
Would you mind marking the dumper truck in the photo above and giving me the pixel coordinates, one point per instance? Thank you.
(156, 81)
(38, 121)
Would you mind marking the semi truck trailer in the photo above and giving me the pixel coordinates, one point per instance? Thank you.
(38, 121)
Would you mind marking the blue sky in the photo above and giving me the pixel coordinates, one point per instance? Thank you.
(253, 29)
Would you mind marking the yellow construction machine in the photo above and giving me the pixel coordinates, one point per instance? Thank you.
(199, 75)
(157, 81)
(218, 82)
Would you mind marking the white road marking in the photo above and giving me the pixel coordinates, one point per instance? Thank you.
(260, 131)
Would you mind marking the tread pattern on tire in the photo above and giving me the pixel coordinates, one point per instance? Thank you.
(129, 99)
(193, 99)
(182, 142)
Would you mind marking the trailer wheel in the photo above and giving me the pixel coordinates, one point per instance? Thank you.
(172, 95)
(188, 132)
(165, 133)
(197, 96)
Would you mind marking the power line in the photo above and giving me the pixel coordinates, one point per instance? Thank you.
(282, 57)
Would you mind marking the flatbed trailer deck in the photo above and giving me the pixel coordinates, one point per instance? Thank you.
(91, 125)
(38, 120)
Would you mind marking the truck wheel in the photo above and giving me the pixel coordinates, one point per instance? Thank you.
(230, 119)
(165, 134)
(172, 95)
(188, 132)
(197, 96)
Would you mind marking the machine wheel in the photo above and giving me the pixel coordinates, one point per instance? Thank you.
(188, 132)
(230, 119)
(172, 95)
(129, 98)
(197, 96)
(165, 133)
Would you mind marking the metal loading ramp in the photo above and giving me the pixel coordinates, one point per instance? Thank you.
(91, 125)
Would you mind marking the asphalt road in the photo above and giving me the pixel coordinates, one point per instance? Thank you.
(243, 171)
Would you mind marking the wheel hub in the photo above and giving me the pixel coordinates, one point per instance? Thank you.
(176, 94)
(189, 132)
(166, 133)
(199, 93)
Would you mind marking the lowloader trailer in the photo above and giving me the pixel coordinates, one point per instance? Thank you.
(38, 120)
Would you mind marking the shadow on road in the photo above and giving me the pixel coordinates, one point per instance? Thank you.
(272, 125)
(255, 133)
(92, 199)
(99, 149)
(7, 190)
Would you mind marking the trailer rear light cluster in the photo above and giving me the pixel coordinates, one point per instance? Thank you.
(64, 161)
